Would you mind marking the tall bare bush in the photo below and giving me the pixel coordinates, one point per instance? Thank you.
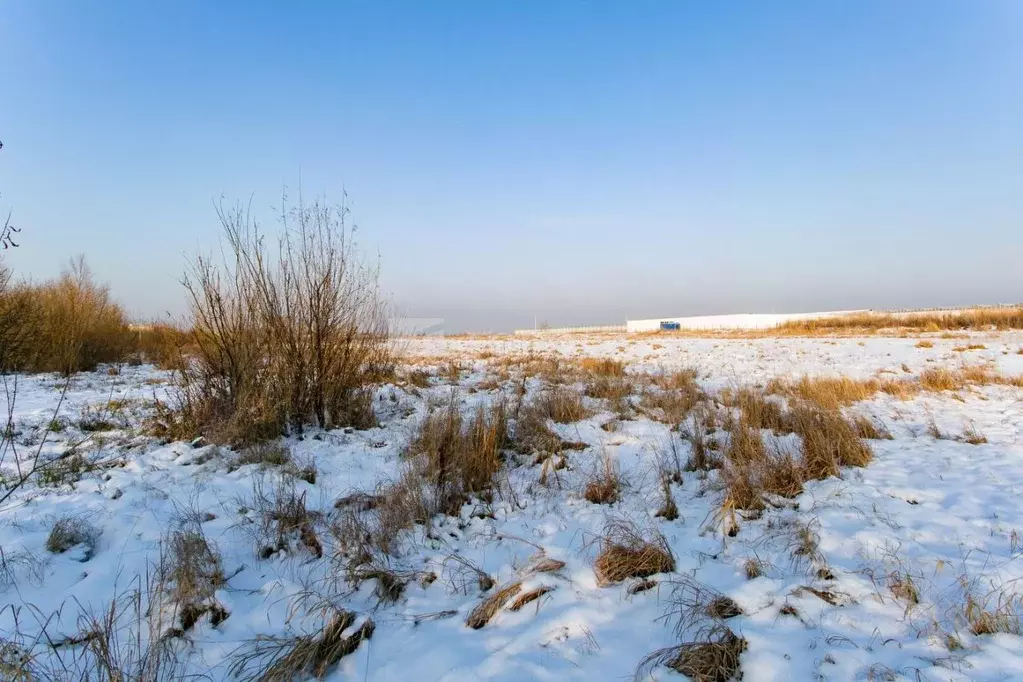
(286, 334)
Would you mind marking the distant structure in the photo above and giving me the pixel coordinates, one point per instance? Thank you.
(417, 326)
(737, 321)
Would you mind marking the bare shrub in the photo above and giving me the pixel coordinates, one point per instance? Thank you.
(165, 345)
(72, 531)
(282, 337)
(626, 552)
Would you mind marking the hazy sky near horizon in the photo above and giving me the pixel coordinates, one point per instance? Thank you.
(581, 162)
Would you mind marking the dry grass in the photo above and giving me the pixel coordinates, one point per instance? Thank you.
(277, 659)
(605, 483)
(72, 531)
(753, 569)
(605, 367)
(713, 655)
(484, 612)
(561, 405)
(461, 454)
(757, 410)
(903, 588)
(747, 482)
(972, 436)
(285, 522)
(976, 319)
(625, 552)
(66, 325)
(923, 343)
(530, 597)
(753, 471)
(998, 612)
(870, 429)
(828, 442)
(193, 569)
(969, 347)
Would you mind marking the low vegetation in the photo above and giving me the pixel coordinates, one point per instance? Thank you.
(980, 319)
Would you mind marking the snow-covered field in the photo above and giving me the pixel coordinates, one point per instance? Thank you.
(939, 515)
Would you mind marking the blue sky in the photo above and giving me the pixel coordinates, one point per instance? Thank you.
(583, 162)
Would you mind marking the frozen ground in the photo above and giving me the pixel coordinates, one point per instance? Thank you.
(942, 514)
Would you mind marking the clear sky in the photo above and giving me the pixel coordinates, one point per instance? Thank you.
(583, 162)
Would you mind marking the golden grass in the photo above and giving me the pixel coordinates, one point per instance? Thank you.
(484, 612)
(530, 597)
(461, 453)
(626, 553)
(1002, 318)
(605, 367)
(923, 343)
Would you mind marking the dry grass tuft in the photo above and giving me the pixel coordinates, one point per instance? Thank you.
(997, 613)
(72, 531)
(290, 659)
(903, 588)
(923, 343)
(530, 596)
(753, 568)
(758, 411)
(968, 347)
(712, 656)
(460, 454)
(283, 519)
(561, 405)
(829, 442)
(870, 429)
(626, 553)
(751, 471)
(488, 608)
(972, 436)
(605, 483)
(605, 367)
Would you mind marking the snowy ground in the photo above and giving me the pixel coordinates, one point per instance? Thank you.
(943, 513)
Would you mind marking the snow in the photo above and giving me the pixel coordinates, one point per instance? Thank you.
(944, 512)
